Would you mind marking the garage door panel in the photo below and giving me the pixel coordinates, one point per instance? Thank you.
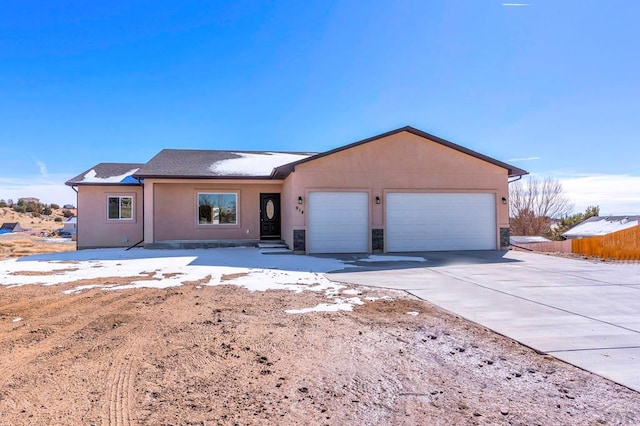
(440, 221)
(338, 222)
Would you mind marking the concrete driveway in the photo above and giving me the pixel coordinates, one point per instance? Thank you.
(587, 314)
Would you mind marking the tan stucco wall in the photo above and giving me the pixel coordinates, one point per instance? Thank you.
(175, 207)
(94, 230)
(400, 162)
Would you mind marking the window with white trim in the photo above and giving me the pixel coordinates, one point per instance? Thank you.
(120, 207)
(217, 208)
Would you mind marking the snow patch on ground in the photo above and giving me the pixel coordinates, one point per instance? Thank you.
(338, 305)
(250, 268)
(373, 298)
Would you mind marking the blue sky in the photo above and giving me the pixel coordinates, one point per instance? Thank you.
(552, 86)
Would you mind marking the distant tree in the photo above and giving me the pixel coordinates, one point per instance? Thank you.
(10, 202)
(67, 213)
(47, 210)
(533, 203)
(3, 203)
(19, 209)
(570, 221)
(31, 206)
(54, 206)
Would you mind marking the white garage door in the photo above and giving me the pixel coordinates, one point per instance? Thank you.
(435, 221)
(338, 222)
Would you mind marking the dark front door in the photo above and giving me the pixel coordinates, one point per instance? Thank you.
(270, 216)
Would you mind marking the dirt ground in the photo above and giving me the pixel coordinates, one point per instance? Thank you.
(198, 355)
(22, 244)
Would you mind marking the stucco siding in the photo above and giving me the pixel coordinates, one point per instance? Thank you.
(292, 214)
(402, 162)
(175, 210)
(95, 230)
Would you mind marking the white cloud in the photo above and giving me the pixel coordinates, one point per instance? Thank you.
(43, 169)
(615, 194)
(48, 190)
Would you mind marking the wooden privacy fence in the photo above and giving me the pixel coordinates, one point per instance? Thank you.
(621, 245)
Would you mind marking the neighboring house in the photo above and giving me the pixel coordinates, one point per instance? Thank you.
(9, 227)
(70, 225)
(28, 200)
(404, 190)
(519, 239)
(598, 226)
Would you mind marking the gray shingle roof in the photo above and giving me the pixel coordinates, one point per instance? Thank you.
(193, 164)
(187, 163)
(107, 174)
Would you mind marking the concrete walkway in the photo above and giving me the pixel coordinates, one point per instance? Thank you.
(587, 314)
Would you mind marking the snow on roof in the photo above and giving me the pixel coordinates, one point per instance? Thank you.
(597, 226)
(254, 164)
(92, 177)
(107, 174)
(520, 239)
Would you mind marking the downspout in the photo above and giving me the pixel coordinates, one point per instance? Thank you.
(141, 241)
(508, 211)
(77, 206)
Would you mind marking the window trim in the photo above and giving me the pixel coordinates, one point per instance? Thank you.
(120, 218)
(236, 224)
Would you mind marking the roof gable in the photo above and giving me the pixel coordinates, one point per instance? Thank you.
(285, 170)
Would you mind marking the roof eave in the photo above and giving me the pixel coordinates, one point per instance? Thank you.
(225, 177)
(101, 184)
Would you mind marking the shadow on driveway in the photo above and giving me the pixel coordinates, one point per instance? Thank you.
(396, 261)
(255, 258)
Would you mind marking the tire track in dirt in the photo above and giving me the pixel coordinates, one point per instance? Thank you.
(11, 362)
(42, 339)
(120, 394)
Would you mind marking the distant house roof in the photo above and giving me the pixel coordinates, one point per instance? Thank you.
(193, 164)
(597, 226)
(29, 200)
(108, 174)
(519, 239)
(285, 169)
(11, 227)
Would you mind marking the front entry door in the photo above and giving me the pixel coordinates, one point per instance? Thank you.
(269, 216)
